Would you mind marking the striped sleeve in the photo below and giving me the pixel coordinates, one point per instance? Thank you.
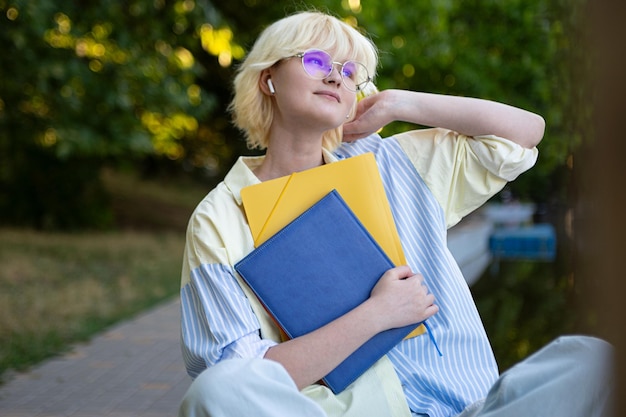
(217, 320)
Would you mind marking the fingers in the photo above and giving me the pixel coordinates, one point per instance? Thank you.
(430, 311)
(366, 121)
(361, 126)
(413, 283)
(401, 272)
(421, 289)
(420, 279)
(352, 131)
(402, 298)
(404, 273)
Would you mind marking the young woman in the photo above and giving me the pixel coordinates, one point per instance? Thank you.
(296, 97)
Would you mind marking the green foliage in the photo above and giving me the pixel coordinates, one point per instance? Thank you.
(83, 83)
(516, 52)
(139, 79)
(524, 306)
(87, 74)
(52, 193)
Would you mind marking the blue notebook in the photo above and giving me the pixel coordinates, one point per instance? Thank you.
(317, 268)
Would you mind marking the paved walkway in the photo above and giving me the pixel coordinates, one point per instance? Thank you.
(134, 369)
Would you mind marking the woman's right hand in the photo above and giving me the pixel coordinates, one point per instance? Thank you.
(401, 298)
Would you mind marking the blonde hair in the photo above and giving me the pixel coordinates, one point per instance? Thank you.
(251, 109)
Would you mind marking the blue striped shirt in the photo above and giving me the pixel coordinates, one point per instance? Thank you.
(219, 322)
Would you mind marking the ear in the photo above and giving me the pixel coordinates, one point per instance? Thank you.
(263, 84)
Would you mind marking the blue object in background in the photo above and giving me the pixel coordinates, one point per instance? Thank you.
(535, 242)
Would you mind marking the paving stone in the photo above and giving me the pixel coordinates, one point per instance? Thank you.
(134, 369)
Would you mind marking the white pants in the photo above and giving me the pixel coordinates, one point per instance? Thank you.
(246, 388)
(571, 377)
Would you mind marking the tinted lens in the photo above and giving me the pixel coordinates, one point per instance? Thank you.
(354, 75)
(317, 64)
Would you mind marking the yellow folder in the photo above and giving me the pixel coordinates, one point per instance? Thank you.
(273, 204)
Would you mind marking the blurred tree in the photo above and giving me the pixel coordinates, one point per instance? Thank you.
(84, 83)
(517, 52)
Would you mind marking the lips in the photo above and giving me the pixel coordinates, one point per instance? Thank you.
(329, 94)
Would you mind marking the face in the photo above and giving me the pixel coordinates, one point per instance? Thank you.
(312, 99)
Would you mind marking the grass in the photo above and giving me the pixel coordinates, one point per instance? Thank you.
(60, 288)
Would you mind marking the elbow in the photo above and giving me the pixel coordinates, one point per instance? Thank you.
(535, 129)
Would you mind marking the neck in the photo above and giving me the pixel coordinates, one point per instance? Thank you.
(286, 157)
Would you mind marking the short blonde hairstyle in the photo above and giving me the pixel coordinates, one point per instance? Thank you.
(251, 109)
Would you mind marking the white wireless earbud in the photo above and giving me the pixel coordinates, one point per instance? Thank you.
(270, 85)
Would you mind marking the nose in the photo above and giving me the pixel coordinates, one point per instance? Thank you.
(334, 77)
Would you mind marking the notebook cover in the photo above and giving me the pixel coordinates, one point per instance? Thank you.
(320, 266)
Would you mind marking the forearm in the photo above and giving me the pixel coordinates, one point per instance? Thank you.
(399, 299)
(469, 116)
(310, 357)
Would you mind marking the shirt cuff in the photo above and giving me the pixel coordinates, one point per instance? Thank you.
(248, 346)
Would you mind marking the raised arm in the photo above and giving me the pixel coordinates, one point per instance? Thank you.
(469, 116)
